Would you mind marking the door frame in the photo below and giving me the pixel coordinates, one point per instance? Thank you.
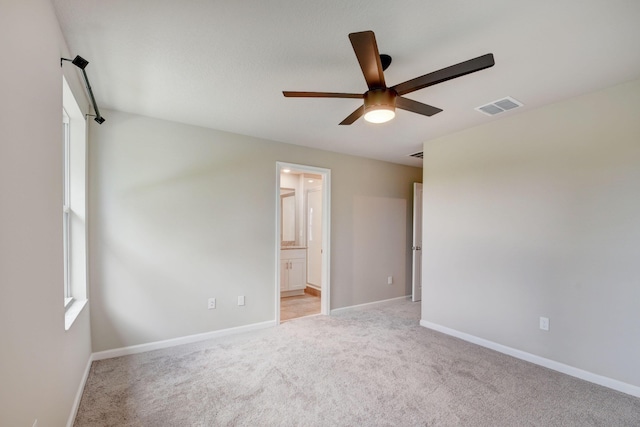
(416, 249)
(325, 298)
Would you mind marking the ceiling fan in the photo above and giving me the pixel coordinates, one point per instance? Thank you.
(381, 101)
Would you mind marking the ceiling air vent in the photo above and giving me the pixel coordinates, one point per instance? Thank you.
(499, 106)
(417, 155)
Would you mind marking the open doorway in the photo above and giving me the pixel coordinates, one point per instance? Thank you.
(302, 236)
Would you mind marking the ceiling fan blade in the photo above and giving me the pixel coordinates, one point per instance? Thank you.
(290, 94)
(458, 70)
(416, 107)
(353, 116)
(366, 49)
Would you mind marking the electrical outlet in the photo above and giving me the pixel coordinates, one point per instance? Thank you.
(211, 303)
(544, 323)
(241, 300)
(390, 280)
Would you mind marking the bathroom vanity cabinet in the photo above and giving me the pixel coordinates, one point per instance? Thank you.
(293, 270)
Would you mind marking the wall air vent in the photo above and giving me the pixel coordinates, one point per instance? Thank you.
(499, 106)
(417, 155)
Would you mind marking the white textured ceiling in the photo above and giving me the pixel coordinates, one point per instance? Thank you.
(224, 64)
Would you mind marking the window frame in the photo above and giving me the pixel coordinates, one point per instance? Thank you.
(74, 205)
(66, 208)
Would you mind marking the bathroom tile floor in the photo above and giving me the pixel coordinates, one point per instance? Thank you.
(298, 306)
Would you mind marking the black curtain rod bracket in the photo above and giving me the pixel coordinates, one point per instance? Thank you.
(82, 63)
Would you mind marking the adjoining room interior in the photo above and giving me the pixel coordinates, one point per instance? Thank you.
(141, 238)
(300, 243)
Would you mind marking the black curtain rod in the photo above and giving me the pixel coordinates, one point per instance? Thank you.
(81, 63)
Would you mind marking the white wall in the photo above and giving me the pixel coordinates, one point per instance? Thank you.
(288, 180)
(538, 214)
(181, 213)
(41, 365)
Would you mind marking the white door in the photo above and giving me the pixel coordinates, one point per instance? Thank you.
(314, 237)
(416, 276)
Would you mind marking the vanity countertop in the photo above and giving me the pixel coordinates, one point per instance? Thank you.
(284, 248)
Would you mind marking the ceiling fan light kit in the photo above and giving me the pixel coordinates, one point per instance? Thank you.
(381, 101)
(380, 114)
(379, 105)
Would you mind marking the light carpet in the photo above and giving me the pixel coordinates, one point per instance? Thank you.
(371, 366)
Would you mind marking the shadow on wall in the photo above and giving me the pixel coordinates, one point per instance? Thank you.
(380, 247)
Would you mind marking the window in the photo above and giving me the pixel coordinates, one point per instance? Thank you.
(74, 228)
(66, 209)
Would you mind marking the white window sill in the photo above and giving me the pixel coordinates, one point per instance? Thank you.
(72, 312)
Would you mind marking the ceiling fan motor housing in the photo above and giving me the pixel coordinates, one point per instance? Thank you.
(383, 98)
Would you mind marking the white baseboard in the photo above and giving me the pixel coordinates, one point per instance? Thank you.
(538, 360)
(352, 307)
(141, 348)
(76, 401)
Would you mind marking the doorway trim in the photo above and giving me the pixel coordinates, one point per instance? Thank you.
(416, 249)
(326, 233)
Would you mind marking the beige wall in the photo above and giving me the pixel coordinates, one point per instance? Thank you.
(181, 213)
(538, 214)
(41, 365)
